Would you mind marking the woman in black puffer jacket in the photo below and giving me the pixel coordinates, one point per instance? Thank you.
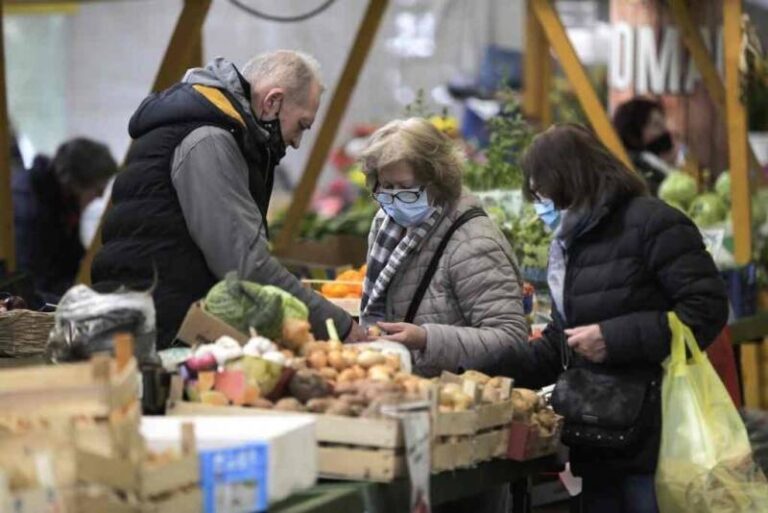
(619, 263)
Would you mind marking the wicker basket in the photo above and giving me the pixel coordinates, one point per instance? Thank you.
(24, 333)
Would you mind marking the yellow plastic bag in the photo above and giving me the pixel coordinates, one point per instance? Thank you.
(705, 460)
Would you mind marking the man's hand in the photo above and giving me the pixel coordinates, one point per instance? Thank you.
(588, 341)
(356, 334)
(411, 336)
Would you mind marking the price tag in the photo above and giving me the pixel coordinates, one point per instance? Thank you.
(414, 417)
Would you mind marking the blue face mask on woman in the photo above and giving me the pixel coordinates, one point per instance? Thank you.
(403, 213)
(548, 213)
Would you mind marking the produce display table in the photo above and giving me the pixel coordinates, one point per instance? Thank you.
(353, 497)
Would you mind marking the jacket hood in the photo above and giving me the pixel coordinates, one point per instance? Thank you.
(183, 103)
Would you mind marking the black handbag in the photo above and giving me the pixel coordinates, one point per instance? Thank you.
(607, 408)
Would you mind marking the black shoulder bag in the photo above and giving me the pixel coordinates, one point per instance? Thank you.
(604, 408)
(427, 278)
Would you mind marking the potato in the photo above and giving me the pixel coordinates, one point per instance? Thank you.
(528, 399)
(353, 399)
(335, 345)
(461, 402)
(264, 404)
(329, 373)
(339, 408)
(445, 409)
(369, 358)
(477, 377)
(347, 376)
(350, 357)
(378, 373)
(496, 382)
(393, 361)
(360, 372)
(308, 384)
(289, 404)
(311, 347)
(317, 359)
(336, 360)
(547, 418)
(448, 394)
(319, 405)
(374, 331)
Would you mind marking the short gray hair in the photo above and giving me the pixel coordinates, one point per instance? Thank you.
(292, 70)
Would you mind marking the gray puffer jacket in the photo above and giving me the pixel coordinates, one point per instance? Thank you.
(473, 307)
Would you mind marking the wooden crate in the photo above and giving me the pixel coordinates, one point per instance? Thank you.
(104, 501)
(348, 447)
(491, 444)
(91, 389)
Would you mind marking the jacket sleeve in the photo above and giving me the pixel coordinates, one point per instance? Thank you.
(487, 288)
(681, 265)
(210, 176)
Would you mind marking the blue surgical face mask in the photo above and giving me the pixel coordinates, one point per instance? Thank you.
(409, 214)
(547, 212)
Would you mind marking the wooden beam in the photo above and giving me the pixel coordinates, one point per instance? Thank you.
(184, 51)
(7, 242)
(537, 75)
(577, 76)
(736, 121)
(366, 34)
(702, 57)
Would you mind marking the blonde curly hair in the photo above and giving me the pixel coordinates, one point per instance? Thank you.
(437, 162)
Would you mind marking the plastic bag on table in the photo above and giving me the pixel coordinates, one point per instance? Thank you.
(86, 321)
(705, 461)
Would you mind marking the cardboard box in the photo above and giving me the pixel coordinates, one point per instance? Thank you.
(200, 327)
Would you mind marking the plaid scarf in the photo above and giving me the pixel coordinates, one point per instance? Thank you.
(391, 246)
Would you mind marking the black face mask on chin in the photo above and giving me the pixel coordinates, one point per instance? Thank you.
(661, 145)
(275, 142)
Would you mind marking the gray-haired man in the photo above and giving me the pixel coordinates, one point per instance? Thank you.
(192, 200)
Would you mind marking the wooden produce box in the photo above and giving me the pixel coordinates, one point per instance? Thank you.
(347, 447)
(91, 389)
(104, 501)
(526, 443)
(133, 472)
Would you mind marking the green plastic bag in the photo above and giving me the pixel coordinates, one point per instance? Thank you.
(705, 460)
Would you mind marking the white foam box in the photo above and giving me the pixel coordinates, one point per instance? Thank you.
(291, 440)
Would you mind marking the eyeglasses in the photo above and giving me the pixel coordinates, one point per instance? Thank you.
(404, 195)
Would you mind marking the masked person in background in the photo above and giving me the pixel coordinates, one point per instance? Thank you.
(49, 201)
(191, 202)
(442, 279)
(642, 127)
(619, 262)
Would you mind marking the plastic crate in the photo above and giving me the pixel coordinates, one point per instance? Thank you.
(227, 474)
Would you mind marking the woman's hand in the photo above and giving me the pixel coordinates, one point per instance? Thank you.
(411, 336)
(588, 341)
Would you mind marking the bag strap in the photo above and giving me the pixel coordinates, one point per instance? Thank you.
(432, 269)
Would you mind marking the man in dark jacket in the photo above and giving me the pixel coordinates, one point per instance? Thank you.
(191, 204)
(48, 200)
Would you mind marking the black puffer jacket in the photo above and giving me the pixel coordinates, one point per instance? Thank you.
(637, 260)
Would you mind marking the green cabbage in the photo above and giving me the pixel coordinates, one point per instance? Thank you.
(679, 188)
(293, 308)
(243, 305)
(708, 209)
(723, 186)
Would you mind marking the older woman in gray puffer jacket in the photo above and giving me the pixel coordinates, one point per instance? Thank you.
(471, 308)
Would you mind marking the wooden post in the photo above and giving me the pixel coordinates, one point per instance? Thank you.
(737, 134)
(7, 242)
(537, 71)
(185, 50)
(704, 63)
(338, 106)
(590, 103)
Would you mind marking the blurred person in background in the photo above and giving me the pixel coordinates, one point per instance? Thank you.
(642, 127)
(48, 202)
